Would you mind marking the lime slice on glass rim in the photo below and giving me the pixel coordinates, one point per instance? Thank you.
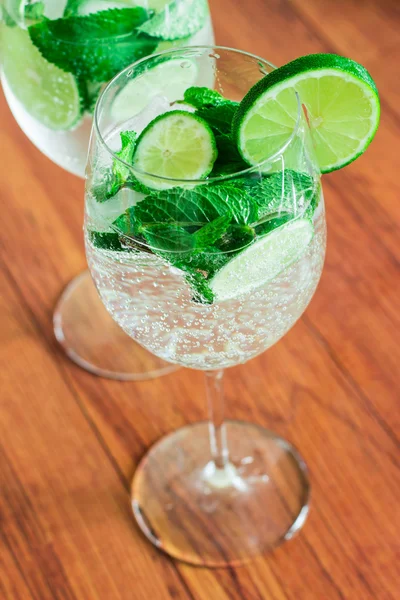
(48, 94)
(175, 145)
(170, 78)
(263, 260)
(342, 106)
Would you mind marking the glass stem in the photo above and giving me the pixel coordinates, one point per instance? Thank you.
(215, 397)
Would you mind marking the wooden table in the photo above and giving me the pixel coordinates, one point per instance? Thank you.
(71, 441)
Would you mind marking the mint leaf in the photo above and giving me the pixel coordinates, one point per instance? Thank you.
(275, 221)
(202, 292)
(235, 238)
(109, 186)
(128, 143)
(136, 185)
(228, 160)
(106, 240)
(197, 206)
(181, 206)
(242, 205)
(286, 191)
(34, 11)
(89, 92)
(219, 117)
(168, 237)
(96, 46)
(178, 20)
(128, 224)
(203, 265)
(200, 97)
(210, 233)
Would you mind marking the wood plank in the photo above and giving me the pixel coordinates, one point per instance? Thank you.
(13, 585)
(66, 514)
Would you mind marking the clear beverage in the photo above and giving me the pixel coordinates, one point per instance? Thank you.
(153, 303)
(25, 78)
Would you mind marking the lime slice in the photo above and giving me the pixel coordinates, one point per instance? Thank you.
(179, 19)
(175, 145)
(342, 106)
(262, 261)
(169, 79)
(48, 94)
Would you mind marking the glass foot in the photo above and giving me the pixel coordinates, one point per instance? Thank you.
(92, 339)
(217, 517)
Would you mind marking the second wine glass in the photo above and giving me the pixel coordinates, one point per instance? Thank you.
(51, 84)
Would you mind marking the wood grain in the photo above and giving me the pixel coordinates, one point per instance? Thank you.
(70, 441)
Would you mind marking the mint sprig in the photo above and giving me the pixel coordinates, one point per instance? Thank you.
(193, 228)
(96, 46)
(202, 97)
(199, 230)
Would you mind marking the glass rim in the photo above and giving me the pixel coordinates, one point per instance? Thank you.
(185, 182)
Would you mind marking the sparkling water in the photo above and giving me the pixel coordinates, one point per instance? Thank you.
(154, 304)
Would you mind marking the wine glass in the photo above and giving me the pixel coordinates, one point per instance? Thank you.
(57, 55)
(217, 492)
